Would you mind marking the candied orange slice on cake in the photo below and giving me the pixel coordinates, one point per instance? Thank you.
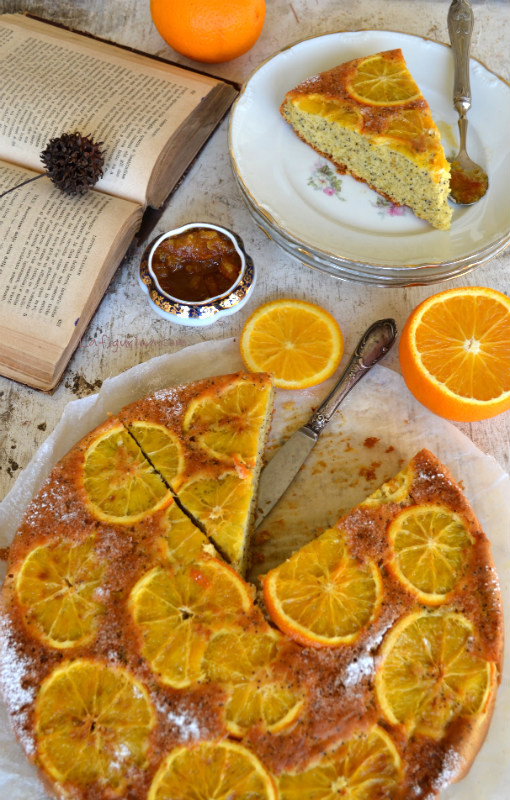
(181, 542)
(322, 595)
(243, 662)
(410, 127)
(176, 610)
(161, 447)
(222, 769)
(394, 490)
(222, 504)
(431, 548)
(231, 423)
(92, 724)
(382, 80)
(121, 485)
(364, 767)
(56, 588)
(429, 673)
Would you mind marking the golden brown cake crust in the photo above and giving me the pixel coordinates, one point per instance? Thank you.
(331, 85)
(338, 682)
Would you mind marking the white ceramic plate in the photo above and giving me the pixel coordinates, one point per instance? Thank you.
(339, 225)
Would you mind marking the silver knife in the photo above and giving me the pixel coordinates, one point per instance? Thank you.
(279, 473)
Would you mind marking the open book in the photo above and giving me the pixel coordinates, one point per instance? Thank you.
(58, 252)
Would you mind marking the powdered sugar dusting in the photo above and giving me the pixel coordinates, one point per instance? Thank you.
(451, 766)
(186, 724)
(120, 756)
(356, 670)
(14, 672)
(373, 641)
(55, 499)
(18, 694)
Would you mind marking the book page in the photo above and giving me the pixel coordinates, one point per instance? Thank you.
(54, 81)
(54, 253)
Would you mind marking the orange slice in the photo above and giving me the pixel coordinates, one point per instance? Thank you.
(181, 541)
(395, 490)
(56, 587)
(222, 505)
(323, 596)
(412, 126)
(230, 424)
(431, 548)
(176, 611)
(162, 448)
(299, 343)
(382, 80)
(455, 353)
(92, 724)
(121, 485)
(428, 673)
(365, 767)
(212, 770)
(336, 111)
(242, 662)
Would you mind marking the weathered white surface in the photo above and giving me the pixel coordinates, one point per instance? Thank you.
(124, 331)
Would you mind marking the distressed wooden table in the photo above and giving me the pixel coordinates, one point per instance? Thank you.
(124, 331)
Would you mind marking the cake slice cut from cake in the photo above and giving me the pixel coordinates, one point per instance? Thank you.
(206, 440)
(370, 119)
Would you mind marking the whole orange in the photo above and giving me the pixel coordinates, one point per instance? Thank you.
(209, 30)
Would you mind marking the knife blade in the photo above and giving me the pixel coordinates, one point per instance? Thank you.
(280, 472)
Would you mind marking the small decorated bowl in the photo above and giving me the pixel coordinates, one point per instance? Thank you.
(197, 274)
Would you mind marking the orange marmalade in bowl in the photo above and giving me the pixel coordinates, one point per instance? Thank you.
(196, 263)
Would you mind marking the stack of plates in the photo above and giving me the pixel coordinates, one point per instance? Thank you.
(336, 224)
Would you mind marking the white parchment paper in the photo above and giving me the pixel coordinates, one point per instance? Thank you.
(378, 428)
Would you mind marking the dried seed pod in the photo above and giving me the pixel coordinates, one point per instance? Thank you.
(73, 162)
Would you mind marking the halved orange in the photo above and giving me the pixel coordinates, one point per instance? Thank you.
(299, 343)
(229, 424)
(56, 587)
(176, 611)
(428, 673)
(208, 770)
(430, 549)
(455, 353)
(364, 767)
(92, 724)
(382, 80)
(322, 595)
(121, 485)
(242, 662)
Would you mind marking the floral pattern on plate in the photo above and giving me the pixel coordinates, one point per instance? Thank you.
(387, 208)
(325, 178)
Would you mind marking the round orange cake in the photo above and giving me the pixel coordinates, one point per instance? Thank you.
(137, 663)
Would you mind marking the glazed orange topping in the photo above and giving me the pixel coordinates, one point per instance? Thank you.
(230, 674)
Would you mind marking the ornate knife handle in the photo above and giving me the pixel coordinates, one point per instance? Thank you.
(460, 28)
(373, 345)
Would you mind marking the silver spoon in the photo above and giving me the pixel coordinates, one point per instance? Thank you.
(468, 181)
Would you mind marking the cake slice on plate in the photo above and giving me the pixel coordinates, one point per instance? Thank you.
(370, 119)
